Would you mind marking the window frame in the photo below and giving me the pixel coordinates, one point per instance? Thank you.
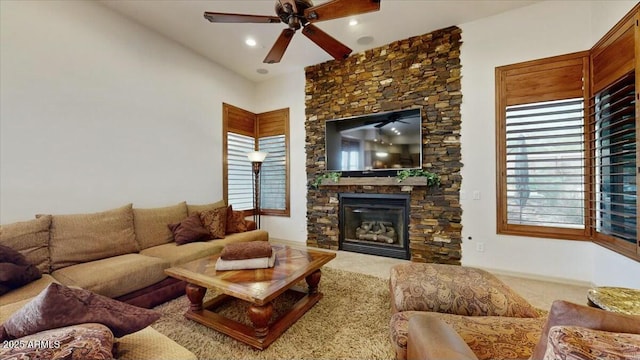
(609, 60)
(243, 122)
(523, 69)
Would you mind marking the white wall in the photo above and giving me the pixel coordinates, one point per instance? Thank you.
(97, 111)
(540, 30)
(287, 91)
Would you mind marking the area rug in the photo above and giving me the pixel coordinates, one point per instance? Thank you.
(351, 321)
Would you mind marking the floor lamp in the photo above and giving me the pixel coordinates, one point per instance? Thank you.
(256, 158)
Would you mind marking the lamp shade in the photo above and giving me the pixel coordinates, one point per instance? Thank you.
(257, 156)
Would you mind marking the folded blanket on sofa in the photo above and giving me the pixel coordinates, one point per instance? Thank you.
(255, 263)
(246, 250)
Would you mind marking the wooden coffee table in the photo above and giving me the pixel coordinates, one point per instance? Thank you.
(258, 287)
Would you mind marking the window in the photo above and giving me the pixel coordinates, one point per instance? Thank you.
(239, 172)
(273, 178)
(246, 132)
(545, 164)
(614, 122)
(568, 170)
(541, 147)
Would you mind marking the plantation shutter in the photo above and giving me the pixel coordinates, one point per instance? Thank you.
(615, 162)
(239, 171)
(541, 146)
(613, 122)
(545, 163)
(273, 129)
(239, 129)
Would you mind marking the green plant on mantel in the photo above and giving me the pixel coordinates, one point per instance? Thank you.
(432, 179)
(333, 176)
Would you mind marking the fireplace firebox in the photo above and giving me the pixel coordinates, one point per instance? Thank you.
(376, 224)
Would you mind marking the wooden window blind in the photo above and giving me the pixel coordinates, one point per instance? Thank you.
(613, 123)
(615, 145)
(541, 162)
(239, 171)
(245, 132)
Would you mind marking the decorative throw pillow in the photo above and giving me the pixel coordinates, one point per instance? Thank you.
(189, 230)
(86, 342)
(215, 221)
(569, 314)
(579, 343)
(235, 221)
(58, 306)
(15, 271)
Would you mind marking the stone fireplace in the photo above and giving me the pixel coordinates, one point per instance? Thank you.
(375, 224)
(422, 71)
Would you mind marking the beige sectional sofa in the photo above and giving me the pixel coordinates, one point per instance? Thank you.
(120, 253)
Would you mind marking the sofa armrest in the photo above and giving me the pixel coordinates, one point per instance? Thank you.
(430, 338)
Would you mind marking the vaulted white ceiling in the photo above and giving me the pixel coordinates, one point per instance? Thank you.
(182, 21)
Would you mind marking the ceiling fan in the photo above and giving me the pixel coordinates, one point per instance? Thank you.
(389, 120)
(302, 14)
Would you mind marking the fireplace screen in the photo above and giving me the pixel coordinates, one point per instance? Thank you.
(375, 224)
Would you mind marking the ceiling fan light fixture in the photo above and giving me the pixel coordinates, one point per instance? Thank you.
(303, 14)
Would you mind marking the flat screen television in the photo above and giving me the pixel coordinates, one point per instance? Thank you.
(374, 144)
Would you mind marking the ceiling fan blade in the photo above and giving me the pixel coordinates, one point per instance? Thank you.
(278, 49)
(340, 8)
(215, 17)
(334, 47)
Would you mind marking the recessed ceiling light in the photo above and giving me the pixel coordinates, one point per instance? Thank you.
(353, 22)
(365, 40)
(262, 71)
(250, 42)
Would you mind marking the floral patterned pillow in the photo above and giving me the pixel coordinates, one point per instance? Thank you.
(215, 221)
(235, 221)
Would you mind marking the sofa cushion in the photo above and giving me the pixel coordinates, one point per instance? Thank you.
(58, 306)
(455, 290)
(215, 221)
(192, 209)
(579, 343)
(189, 230)
(569, 314)
(31, 239)
(27, 291)
(86, 341)
(176, 254)
(148, 343)
(489, 337)
(80, 238)
(15, 271)
(114, 276)
(152, 224)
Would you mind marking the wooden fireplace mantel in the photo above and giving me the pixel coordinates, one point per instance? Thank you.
(375, 181)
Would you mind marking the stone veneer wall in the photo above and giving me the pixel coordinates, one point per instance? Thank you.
(422, 71)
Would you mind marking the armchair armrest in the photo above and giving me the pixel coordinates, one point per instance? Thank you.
(430, 338)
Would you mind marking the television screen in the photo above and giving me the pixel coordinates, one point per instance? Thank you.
(375, 142)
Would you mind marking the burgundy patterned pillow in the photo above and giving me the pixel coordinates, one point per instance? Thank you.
(215, 221)
(189, 230)
(15, 271)
(58, 306)
(235, 221)
(87, 342)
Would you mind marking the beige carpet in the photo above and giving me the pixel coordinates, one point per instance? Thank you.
(351, 321)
